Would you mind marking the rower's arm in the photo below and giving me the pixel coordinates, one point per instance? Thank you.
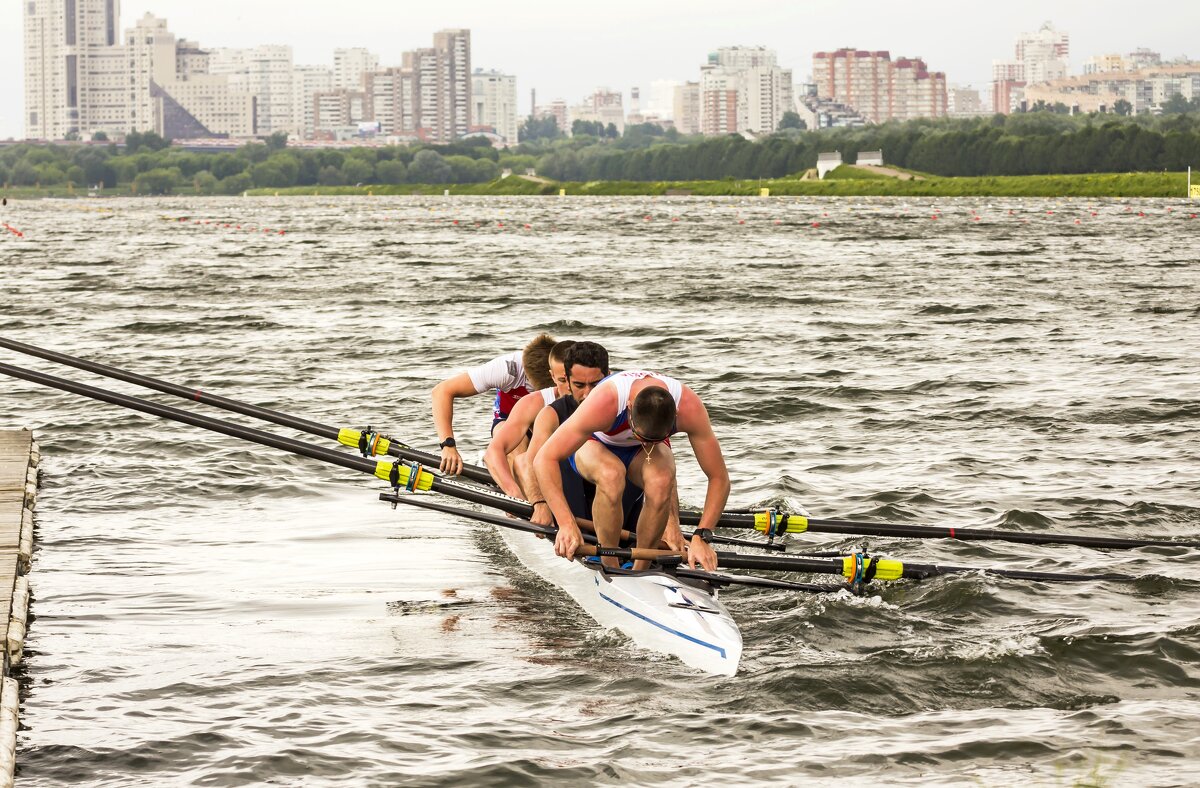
(693, 419)
(543, 427)
(506, 440)
(443, 397)
(595, 414)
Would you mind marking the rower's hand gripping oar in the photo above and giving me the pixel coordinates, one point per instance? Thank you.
(669, 560)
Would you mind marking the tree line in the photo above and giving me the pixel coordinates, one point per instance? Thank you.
(1034, 143)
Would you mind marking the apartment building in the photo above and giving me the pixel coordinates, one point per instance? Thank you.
(495, 103)
(307, 82)
(742, 90)
(880, 88)
(1040, 57)
(687, 108)
(350, 67)
(1099, 92)
(75, 80)
(264, 72)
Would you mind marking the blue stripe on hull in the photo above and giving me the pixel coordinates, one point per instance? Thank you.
(662, 626)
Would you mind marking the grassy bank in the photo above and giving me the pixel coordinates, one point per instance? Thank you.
(842, 183)
(1144, 184)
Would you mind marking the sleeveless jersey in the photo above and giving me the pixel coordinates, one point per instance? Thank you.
(619, 434)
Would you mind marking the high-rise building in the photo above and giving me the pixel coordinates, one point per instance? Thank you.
(307, 82)
(351, 65)
(880, 88)
(441, 86)
(605, 106)
(392, 102)
(660, 99)
(558, 110)
(964, 101)
(1040, 57)
(172, 93)
(743, 89)
(75, 69)
(687, 108)
(718, 100)
(153, 61)
(495, 97)
(80, 79)
(453, 118)
(338, 111)
(264, 72)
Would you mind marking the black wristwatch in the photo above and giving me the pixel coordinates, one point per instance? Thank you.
(448, 443)
(705, 534)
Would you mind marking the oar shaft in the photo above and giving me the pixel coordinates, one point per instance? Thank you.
(194, 419)
(234, 406)
(795, 523)
(332, 456)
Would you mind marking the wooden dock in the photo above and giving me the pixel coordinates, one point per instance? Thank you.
(19, 459)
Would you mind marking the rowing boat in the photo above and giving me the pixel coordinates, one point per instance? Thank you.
(657, 611)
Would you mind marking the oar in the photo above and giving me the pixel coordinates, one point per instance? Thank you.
(668, 558)
(368, 442)
(778, 523)
(410, 476)
(853, 567)
(394, 472)
(768, 521)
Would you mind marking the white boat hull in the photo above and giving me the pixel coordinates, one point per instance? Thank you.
(655, 610)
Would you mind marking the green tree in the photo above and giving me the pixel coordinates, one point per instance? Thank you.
(331, 176)
(1122, 107)
(790, 120)
(225, 164)
(544, 128)
(1176, 105)
(277, 141)
(357, 170)
(580, 128)
(391, 171)
(268, 175)
(24, 174)
(99, 136)
(204, 183)
(235, 184)
(160, 181)
(428, 167)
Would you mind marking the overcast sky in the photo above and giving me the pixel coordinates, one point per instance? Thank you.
(566, 49)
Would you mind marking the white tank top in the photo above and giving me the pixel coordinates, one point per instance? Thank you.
(619, 434)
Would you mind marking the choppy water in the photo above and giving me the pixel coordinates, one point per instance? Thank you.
(210, 613)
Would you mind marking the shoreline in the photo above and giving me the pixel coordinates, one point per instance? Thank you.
(1103, 185)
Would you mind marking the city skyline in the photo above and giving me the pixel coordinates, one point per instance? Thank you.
(569, 58)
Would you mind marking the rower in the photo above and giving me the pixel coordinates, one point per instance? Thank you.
(511, 376)
(511, 436)
(622, 433)
(586, 367)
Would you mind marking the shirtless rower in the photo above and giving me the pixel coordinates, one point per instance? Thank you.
(511, 376)
(621, 432)
(511, 436)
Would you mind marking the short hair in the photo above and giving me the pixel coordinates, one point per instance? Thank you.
(587, 354)
(559, 351)
(653, 412)
(536, 360)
